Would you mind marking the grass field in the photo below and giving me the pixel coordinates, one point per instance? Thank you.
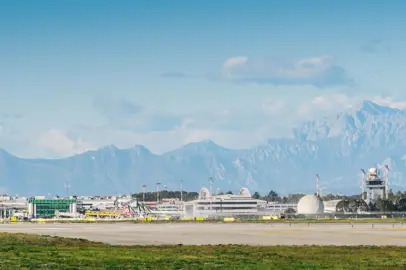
(20, 251)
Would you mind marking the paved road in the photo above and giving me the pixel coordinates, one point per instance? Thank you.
(200, 234)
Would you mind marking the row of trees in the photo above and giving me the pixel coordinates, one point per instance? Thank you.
(273, 196)
(381, 205)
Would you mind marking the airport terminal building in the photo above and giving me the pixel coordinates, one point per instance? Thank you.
(222, 205)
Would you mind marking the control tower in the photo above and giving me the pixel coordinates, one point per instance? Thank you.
(375, 185)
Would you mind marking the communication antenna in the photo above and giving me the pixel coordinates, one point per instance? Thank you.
(362, 183)
(387, 181)
(317, 185)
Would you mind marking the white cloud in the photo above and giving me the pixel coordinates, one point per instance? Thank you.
(58, 144)
(319, 71)
(389, 102)
(325, 105)
(229, 127)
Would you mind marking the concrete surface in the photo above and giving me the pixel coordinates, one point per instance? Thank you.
(203, 233)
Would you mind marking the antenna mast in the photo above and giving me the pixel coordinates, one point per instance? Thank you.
(362, 183)
(387, 181)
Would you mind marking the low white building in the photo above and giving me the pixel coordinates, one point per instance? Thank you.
(169, 207)
(96, 202)
(13, 203)
(208, 205)
(275, 207)
(330, 206)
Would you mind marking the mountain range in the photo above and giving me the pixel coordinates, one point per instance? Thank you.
(335, 147)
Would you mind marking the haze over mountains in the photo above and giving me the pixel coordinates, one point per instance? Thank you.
(334, 147)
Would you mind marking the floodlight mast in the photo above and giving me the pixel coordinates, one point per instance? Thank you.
(211, 193)
(143, 193)
(362, 183)
(387, 181)
(67, 187)
(157, 191)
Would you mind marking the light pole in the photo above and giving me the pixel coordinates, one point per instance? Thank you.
(143, 193)
(157, 191)
(181, 195)
(211, 193)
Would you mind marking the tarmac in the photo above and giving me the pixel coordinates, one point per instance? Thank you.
(222, 233)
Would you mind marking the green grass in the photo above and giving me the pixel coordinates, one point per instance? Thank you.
(21, 251)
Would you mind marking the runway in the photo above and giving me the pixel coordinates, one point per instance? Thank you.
(213, 234)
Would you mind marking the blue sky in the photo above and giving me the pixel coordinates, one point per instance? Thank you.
(78, 75)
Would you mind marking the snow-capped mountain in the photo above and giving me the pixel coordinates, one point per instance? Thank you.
(334, 147)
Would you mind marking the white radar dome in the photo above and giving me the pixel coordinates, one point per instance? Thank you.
(373, 170)
(310, 205)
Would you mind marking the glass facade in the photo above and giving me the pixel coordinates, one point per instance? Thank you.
(48, 208)
(4, 213)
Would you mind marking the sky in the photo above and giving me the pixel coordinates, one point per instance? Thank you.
(80, 75)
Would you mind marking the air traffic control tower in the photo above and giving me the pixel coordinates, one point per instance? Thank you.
(375, 185)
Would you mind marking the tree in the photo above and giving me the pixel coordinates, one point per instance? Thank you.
(343, 206)
(272, 194)
(294, 198)
(272, 197)
(256, 195)
(401, 205)
(357, 205)
(229, 193)
(384, 205)
(284, 199)
(372, 207)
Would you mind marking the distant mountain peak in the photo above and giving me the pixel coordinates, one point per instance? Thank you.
(375, 109)
(205, 144)
(209, 142)
(110, 147)
(140, 149)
